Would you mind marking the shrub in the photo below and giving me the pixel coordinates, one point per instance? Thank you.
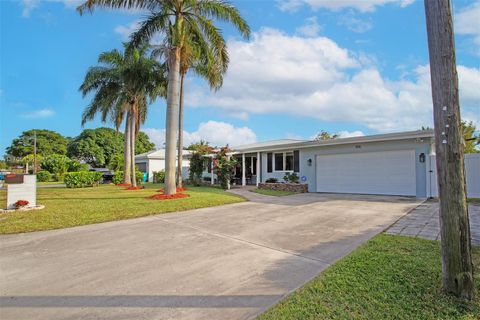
(44, 176)
(271, 180)
(196, 168)
(291, 177)
(159, 176)
(57, 164)
(82, 179)
(118, 177)
(224, 167)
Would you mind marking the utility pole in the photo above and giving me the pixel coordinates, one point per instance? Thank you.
(457, 267)
(34, 152)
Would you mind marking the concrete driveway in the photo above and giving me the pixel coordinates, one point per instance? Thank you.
(229, 262)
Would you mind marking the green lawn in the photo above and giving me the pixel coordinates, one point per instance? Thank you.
(276, 193)
(74, 207)
(390, 277)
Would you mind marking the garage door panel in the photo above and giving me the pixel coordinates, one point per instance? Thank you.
(391, 172)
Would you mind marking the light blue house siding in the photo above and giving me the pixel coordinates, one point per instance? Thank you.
(308, 172)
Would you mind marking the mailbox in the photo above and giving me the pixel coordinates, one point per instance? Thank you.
(14, 178)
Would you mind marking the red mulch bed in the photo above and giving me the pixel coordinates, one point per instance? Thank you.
(134, 188)
(123, 185)
(178, 190)
(168, 197)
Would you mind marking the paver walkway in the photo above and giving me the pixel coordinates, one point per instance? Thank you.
(423, 222)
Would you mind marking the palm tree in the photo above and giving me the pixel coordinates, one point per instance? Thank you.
(123, 86)
(178, 21)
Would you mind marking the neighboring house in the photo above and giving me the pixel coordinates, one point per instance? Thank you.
(152, 161)
(388, 164)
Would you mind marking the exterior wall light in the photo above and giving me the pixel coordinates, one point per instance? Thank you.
(421, 157)
(309, 162)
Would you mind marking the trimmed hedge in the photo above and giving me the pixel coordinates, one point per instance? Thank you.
(82, 179)
(44, 176)
(118, 177)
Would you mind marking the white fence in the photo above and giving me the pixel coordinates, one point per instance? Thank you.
(472, 175)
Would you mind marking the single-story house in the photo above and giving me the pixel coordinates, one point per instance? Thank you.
(384, 164)
(152, 161)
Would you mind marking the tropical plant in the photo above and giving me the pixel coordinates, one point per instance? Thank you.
(291, 177)
(196, 168)
(124, 84)
(118, 177)
(180, 21)
(224, 166)
(271, 180)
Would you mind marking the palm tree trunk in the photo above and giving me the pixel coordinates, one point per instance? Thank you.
(180, 134)
(132, 144)
(127, 152)
(172, 120)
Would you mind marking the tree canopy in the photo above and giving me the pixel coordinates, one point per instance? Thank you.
(48, 142)
(472, 141)
(100, 147)
(324, 135)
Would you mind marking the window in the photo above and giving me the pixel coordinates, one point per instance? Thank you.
(254, 164)
(289, 161)
(269, 162)
(278, 161)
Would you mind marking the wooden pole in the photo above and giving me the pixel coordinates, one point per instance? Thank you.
(457, 265)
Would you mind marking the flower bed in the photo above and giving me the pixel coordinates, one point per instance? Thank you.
(134, 188)
(168, 197)
(178, 190)
(292, 187)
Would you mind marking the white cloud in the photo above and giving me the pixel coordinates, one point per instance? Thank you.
(311, 28)
(350, 134)
(127, 30)
(316, 78)
(355, 24)
(216, 133)
(41, 113)
(467, 23)
(28, 7)
(336, 5)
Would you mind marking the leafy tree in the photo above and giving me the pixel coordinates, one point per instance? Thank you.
(48, 142)
(201, 147)
(96, 147)
(472, 141)
(143, 143)
(324, 135)
(30, 160)
(124, 84)
(3, 164)
(180, 21)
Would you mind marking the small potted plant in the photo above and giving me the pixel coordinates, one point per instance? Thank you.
(21, 204)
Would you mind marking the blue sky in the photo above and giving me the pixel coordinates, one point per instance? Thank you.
(354, 67)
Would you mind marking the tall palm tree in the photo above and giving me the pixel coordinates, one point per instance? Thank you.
(178, 20)
(123, 86)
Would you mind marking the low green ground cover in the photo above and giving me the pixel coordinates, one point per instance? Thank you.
(74, 207)
(390, 277)
(277, 193)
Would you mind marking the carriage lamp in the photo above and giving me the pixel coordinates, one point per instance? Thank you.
(309, 162)
(421, 157)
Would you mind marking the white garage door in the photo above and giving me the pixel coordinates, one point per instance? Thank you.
(391, 173)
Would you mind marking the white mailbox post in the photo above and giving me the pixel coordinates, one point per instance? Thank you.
(18, 190)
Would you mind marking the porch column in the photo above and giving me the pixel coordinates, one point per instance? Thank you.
(244, 180)
(211, 171)
(257, 180)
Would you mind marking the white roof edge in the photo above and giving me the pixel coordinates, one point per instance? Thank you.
(363, 139)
